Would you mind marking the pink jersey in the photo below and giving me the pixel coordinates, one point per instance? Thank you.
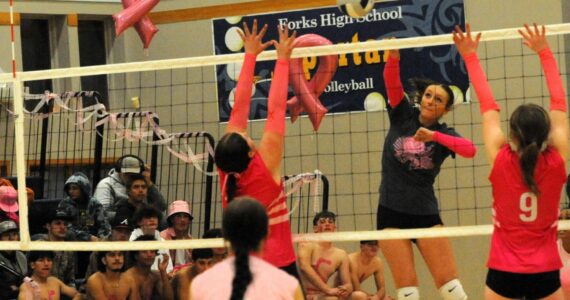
(525, 226)
(258, 183)
(268, 282)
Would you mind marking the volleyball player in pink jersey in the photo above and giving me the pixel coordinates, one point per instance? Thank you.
(528, 172)
(247, 170)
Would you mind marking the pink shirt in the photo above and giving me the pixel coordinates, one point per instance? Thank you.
(258, 183)
(268, 282)
(525, 226)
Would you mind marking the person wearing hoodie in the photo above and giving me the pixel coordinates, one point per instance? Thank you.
(89, 220)
(111, 189)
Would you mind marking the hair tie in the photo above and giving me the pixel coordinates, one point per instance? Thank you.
(235, 175)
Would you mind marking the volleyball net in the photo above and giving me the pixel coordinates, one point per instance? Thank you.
(167, 112)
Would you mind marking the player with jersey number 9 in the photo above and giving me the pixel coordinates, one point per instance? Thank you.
(528, 172)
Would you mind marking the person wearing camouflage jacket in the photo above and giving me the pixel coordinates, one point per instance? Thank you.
(89, 220)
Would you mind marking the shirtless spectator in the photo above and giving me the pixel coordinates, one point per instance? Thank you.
(203, 260)
(150, 284)
(110, 282)
(41, 285)
(219, 253)
(319, 261)
(363, 264)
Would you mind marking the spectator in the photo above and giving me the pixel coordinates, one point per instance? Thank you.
(137, 190)
(203, 260)
(245, 275)
(319, 261)
(63, 261)
(121, 231)
(219, 253)
(179, 218)
(13, 265)
(110, 282)
(89, 221)
(146, 219)
(29, 192)
(41, 285)
(363, 264)
(113, 188)
(9, 204)
(150, 284)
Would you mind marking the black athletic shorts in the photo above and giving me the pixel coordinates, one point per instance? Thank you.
(529, 286)
(389, 218)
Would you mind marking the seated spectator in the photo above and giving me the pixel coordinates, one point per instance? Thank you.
(120, 232)
(179, 218)
(203, 260)
(89, 220)
(244, 275)
(13, 265)
(137, 190)
(63, 261)
(146, 220)
(363, 264)
(41, 285)
(318, 261)
(564, 252)
(113, 188)
(219, 253)
(29, 192)
(150, 284)
(9, 204)
(110, 282)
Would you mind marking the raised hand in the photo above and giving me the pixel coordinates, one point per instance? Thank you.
(252, 39)
(464, 42)
(285, 45)
(534, 39)
(394, 53)
(164, 263)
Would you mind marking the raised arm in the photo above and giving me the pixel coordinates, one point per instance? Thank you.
(493, 135)
(253, 46)
(392, 78)
(535, 39)
(272, 141)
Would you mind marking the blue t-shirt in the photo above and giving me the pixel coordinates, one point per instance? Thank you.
(409, 167)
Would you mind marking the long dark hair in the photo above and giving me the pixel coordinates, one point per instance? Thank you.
(420, 85)
(232, 156)
(244, 224)
(530, 126)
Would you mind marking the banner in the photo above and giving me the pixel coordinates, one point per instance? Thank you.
(358, 84)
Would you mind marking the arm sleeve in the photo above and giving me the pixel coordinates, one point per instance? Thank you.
(479, 81)
(277, 105)
(240, 111)
(552, 74)
(392, 82)
(459, 145)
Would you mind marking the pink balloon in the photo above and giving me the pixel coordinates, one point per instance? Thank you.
(145, 28)
(308, 92)
(134, 12)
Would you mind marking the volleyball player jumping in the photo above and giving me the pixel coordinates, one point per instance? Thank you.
(528, 172)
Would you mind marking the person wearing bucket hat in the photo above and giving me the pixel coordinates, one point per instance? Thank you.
(9, 204)
(113, 188)
(13, 264)
(64, 261)
(29, 192)
(179, 218)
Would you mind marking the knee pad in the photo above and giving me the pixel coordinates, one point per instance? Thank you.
(452, 290)
(409, 293)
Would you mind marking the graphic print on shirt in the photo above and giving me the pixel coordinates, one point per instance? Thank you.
(418, 154)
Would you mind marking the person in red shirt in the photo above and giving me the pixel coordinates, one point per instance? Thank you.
(528, 172)
(255, 171)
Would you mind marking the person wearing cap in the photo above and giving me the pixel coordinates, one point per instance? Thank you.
(89, 220)
(29, 192)
(41, 285)
(179, 218)
(111, 189)
(9, 204)
(120, 232)
(63, 261)
(13, 264)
